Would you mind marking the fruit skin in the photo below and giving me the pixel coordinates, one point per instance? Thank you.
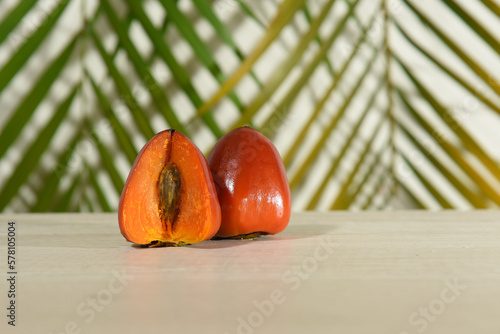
(251, 183)
(198, 216)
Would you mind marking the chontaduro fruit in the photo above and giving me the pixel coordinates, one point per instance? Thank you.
(169, 197)
(251, 183)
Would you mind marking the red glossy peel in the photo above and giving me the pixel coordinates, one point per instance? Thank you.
(251, 183)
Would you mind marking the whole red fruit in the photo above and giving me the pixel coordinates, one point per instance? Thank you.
(251, 184)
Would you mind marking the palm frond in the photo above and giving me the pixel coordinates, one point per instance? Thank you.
(285, 13)
(357, 95)
(26, 108)
(32, 156)
(20, 57)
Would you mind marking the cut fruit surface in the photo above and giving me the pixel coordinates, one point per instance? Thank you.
(169, 196)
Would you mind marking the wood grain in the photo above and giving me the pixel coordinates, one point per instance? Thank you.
(332, 272)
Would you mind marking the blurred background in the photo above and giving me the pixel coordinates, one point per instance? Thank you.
(373, 104)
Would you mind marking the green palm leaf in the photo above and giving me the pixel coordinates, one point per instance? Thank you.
(33, 154)
(27, 107)
(13, 18)
(359, 99)
(17, 61)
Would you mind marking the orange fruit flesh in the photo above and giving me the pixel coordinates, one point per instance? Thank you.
(198, 215)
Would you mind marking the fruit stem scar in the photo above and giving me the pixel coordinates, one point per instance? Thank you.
(169, 184)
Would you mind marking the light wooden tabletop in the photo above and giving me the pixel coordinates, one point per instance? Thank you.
(338, 272)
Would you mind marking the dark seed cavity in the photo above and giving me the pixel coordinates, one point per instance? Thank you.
(169, 185)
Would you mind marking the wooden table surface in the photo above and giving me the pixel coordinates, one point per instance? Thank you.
(338, 272)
